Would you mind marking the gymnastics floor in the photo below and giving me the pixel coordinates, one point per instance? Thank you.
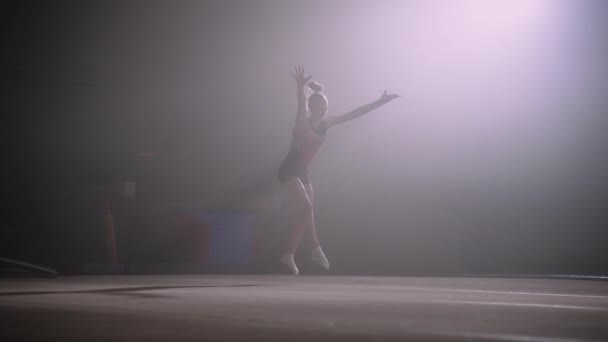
(304, 308)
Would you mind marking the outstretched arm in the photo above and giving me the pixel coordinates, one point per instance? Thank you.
(301, 82)
(338, 119)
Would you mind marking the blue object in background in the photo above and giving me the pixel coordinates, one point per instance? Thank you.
(230, 238)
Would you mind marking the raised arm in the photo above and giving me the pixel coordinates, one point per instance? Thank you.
(338, 119)
(301, 82)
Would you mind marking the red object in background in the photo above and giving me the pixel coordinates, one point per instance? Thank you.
(193, 235)
(110, 234)
(147, 154)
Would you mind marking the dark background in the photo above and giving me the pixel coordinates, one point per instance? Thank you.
(492, 161)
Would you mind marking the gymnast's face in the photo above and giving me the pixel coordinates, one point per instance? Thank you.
(317, 105)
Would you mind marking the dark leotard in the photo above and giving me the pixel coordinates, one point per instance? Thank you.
(305, 143)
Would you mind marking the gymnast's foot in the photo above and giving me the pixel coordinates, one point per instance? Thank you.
(319, 257)
(287, 259)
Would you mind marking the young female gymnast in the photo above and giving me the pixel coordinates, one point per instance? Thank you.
(308, 134)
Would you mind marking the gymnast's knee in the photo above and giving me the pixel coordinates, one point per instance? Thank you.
(305, 209)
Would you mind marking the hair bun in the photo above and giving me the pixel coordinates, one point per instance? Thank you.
(315, 86)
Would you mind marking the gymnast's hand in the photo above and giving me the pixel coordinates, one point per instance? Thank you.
(301, 80)
(386, 98)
